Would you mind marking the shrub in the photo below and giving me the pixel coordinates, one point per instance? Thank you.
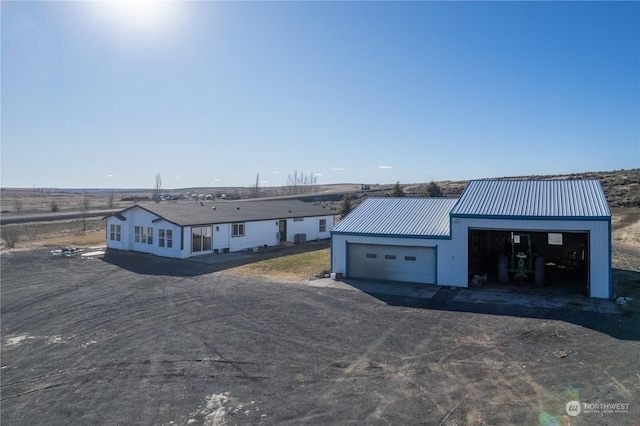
(11, 236)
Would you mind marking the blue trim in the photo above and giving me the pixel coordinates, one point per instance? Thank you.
(346, 258)
(610, 264)
(436, 247)
(502, 217)
(420, 237)
(331, 254)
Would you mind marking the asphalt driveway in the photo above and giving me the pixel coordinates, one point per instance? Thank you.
(131, 340)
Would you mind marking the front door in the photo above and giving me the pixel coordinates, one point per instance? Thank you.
(282, 229)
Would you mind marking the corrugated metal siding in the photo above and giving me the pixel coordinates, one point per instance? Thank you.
(533, 198)
(399, 216)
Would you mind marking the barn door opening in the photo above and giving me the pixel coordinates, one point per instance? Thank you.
(518, 258)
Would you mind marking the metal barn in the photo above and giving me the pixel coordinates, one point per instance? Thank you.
(551, 233)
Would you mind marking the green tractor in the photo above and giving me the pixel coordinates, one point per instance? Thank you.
(521, 261)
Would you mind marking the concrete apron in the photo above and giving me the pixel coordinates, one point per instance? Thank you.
(426, 291)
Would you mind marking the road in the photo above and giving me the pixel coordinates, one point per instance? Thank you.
(45, 217)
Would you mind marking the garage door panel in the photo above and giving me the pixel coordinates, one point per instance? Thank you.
(393, 263)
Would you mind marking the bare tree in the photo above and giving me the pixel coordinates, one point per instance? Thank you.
(299, 183)
(110, 197)
(18, 205)
(84, 209)
(157, 189)
(255, 190)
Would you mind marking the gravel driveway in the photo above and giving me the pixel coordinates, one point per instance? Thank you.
(142, 340)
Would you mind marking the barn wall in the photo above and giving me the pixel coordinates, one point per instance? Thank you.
(445, 259)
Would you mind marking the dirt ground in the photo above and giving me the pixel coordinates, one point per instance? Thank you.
(132, 339)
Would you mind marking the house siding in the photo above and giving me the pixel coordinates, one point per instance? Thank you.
(257, 234)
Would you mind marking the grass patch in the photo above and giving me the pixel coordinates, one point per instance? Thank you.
(89, 238)
(300, 266)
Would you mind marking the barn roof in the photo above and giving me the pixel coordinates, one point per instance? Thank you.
(186, 214)
(535, 199)
(399, 216)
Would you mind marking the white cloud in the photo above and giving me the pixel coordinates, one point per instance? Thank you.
(275, 172)
(337, 169)
(317, 174)
(385, 167)
(110, 176)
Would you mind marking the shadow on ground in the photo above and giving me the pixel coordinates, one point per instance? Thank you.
(624, 324)
(148, 264)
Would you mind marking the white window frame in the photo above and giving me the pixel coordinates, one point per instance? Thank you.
(115, 232)
(165, 238)
(143, 234)
(238, 229)
(322, 226)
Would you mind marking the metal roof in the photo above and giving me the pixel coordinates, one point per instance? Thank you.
(571, 198)
(391, 216)
(186, 214)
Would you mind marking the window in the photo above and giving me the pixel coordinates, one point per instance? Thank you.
(143, 234)
(410, 258)
(238, 230)
(115, 232)
(165, 237)
(200, 239)
(389, 256)
(298, 219)
(323, 225)
(555, 239)
(169, 235)
(372, 255)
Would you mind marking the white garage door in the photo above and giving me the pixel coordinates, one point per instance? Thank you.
(392, 263)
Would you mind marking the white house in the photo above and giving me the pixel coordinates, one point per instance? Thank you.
(182, 230)
(564, 223)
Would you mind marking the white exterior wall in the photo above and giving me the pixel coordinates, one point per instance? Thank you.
(445, 259)
(256, 234)
(123, 244)
(221, 237)
(140, 217)
(310, 226)
(599, 245)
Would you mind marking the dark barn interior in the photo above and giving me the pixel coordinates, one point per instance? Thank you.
(565, 254)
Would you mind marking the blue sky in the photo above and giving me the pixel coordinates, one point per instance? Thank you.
(103, 94)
